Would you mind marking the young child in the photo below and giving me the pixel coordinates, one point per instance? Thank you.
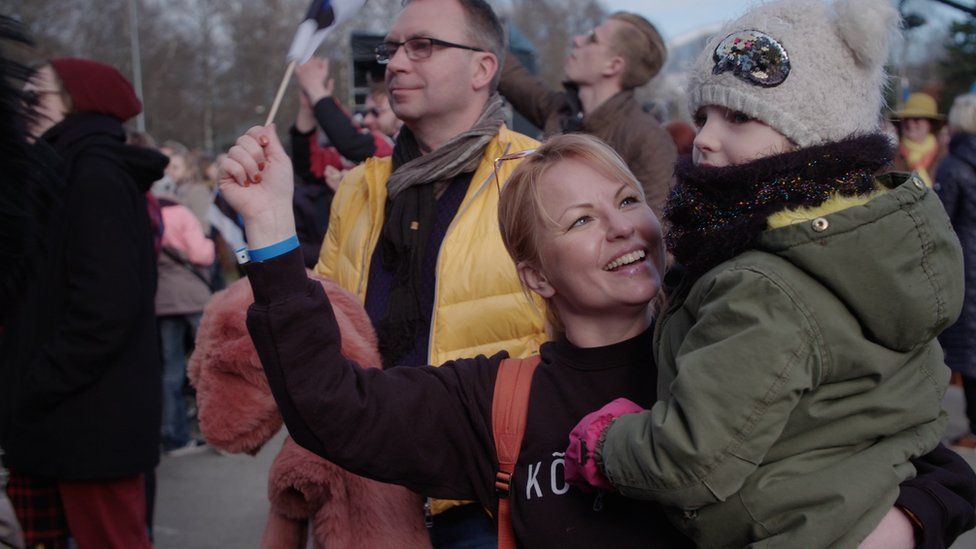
(799, 369)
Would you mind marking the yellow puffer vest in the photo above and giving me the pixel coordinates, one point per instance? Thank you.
(479, 305)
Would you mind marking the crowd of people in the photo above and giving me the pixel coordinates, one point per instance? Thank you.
(734, 332)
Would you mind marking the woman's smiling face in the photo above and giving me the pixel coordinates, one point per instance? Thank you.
(601, 248)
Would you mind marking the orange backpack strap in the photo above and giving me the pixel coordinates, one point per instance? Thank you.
(509, 409)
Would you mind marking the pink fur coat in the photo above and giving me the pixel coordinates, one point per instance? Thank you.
(309, 495)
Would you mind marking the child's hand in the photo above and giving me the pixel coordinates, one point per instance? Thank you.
(256, 179)
(582, 470)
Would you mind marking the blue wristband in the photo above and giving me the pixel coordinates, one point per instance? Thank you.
(274, 250)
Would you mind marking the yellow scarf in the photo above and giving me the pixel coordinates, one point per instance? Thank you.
(920, 156)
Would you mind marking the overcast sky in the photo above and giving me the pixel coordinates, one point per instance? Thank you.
(675, 17)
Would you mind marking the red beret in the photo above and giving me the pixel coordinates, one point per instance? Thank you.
(97, 87)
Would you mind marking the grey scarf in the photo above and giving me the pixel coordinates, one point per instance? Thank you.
(459, 155)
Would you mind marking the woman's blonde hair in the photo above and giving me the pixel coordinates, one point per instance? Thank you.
(522, 217)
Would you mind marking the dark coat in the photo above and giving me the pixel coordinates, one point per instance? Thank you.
(955, 182)
(620, 121)
(311, 204)
(80, 375)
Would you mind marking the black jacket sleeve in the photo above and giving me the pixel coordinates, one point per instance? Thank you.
(425, 428)
(951, 179)
(941, 498)
(104, 288)
(343, 135)
(312, 203)
(529, 95)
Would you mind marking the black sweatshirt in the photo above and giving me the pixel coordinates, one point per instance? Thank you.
(429, 429)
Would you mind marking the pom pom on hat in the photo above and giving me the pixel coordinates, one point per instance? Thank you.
(97, 87)
(866, 27)
(813, 71)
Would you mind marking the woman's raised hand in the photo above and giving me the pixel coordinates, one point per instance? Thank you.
(256, 179)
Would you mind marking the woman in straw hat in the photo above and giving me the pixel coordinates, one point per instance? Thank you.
(918, 124)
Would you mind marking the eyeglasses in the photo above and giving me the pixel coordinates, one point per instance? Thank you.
(416, 48)
(511, 156)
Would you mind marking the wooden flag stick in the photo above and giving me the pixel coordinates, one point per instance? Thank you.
(281, 93)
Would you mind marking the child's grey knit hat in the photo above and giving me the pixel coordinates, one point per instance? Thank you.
(812, 71)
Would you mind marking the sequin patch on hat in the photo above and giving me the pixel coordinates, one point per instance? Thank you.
(754, 57)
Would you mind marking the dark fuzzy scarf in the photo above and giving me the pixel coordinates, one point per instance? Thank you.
(717, 213)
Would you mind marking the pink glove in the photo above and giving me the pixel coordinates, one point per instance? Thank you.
(581, 468)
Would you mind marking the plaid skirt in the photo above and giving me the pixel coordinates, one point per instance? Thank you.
(37, 504)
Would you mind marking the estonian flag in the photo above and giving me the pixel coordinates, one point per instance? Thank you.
(321, 17)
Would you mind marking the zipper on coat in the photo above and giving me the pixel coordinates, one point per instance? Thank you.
(428, 515)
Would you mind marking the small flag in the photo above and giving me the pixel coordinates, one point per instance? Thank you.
(321, 17)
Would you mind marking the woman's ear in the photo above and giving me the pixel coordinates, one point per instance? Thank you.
(533, 279)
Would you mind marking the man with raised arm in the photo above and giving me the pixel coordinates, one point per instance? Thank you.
(603, 69)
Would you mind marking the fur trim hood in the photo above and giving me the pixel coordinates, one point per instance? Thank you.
(309, 495)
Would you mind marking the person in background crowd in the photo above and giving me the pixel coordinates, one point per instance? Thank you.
(415, 235)
(317, 106)
(799, 370)
(312, 203)
(11, 534)
(918, 124)
(603, 68)
(143, 139)
(226, 224)
(80, 376)
(27, 195)
(183, 292)
(191, 189)
(378, 115)
(224, 258)
(318, 168)
(955, 181)
(683, 135)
